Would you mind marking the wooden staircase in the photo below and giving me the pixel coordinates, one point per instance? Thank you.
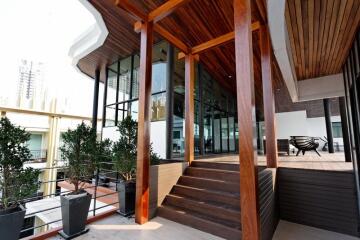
(206, 197)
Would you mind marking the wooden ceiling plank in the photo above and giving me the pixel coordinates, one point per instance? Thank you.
(305, 26)
(165, 10)
(311, 35)
(133, 10)
(321, 34)
(325, 39)
(335, 11)
(301, 33)
(344, 25)
(290, 15)
(338, 23)
(316, 34)
(262, 10)
(351, 33)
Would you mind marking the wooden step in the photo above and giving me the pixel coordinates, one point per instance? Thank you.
(215, 165)
(230, 200)
(210, 184)
(217, 212)
(217, 174)
(199, 222)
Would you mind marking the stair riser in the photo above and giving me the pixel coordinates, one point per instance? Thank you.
(222, 166)
(208, 210)
(206, 226)
(211, 174)
(203, 195)
(210, 185)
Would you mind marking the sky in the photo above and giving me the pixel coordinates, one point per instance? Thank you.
(43, 31)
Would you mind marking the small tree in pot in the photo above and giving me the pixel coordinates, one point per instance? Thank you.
(16, 182)
(76, 151)
(124, 157)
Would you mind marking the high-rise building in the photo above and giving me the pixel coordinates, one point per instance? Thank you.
(31, 92)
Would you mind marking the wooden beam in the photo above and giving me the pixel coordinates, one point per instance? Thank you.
(132, 9)
(262, 10)
(217, 41)
(246, 120)
(171, 38)
(141, 17)
(269, 99)
(143, 141)
(165, 34)
(165, 10)
(189, 107)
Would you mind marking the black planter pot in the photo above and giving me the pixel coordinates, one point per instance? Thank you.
(126, 191)
(74, 210)
(11, 222)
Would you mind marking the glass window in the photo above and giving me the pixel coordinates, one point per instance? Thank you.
(158, 107)
(110, 116)
(337, 130)
(179, 74)
(158, 77)
(135, 84)
(111, 85)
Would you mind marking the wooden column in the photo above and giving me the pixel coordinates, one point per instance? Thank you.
(269, 99)
(189, 107)
(246, 120)
(143, 141)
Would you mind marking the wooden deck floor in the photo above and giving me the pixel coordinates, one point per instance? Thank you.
(329, 162)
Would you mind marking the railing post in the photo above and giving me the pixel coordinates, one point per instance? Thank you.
(95, 191)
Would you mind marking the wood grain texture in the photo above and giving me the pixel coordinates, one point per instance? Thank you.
(246, 120)
(269, 98)
(189, 107)
(165, 9)
(143, 141)
(321, 33)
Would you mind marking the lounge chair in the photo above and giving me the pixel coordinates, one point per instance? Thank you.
(304, 143)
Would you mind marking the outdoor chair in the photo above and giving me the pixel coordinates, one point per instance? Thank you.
(304, 143)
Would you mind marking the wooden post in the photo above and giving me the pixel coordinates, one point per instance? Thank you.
(246, 120)
(189, 107)
(143, 141)
(269, 100)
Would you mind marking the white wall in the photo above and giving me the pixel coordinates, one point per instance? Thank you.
(297, 124)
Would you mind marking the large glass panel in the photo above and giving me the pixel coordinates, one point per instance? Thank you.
(197, 128)
(217, 131)
(111, 85)
(158, 107)
(208, 124)
(134, 109)
(231, 134)
(224, 132)
(110, 116)
(158, 77)
(179, 74)
(135, 83)
(124, 79)
(178, 127)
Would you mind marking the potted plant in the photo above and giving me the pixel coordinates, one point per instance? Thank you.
(124, 157)
(76, 149)
(16, 182)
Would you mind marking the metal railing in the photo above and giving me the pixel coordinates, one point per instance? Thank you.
(38, 154)
(103, 177)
